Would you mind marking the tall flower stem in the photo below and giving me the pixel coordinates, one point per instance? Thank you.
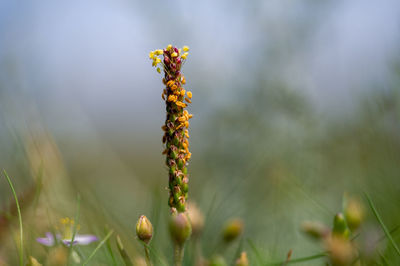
(147, 254)
(176, 134)
(178, 255)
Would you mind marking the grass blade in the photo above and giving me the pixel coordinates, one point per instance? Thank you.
(255, 250)
(384, 228)
(21, 244)
(98, 247)
(110, 252)
(123, 253)
(303, 259)
(76, 221)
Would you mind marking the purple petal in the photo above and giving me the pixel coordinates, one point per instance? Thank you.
(47, 241)
(81, 240)
(85, 239)
(67, 242)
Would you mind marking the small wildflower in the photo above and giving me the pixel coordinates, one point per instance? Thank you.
(65, 236)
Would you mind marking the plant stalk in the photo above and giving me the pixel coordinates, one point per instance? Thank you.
(147, 254)
(178, 255)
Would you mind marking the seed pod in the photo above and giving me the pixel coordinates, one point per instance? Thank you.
(144, 229)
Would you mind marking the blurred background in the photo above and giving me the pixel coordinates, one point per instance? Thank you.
(295, 103)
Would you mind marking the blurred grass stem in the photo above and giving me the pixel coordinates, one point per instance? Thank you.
(178, 255)
(21, 243)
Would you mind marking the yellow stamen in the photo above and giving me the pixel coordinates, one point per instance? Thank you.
(189, 94)
(185, 48)
(172, 98)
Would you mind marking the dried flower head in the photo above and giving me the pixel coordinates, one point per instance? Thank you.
(176, 134)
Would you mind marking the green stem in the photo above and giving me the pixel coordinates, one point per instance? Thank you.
(21, 243)
(384, 228)
(146, 252)
(178, 255)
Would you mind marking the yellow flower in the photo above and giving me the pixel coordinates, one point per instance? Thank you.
(185, 48)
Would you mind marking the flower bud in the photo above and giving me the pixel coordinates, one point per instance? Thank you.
(354, 213)
(180, 228)
(144, 229)
(217, 260)
(242, 260)
(339, 226)
(341, 251)
(196, 219)
(33, 262)
(315, 230)
(232, 230)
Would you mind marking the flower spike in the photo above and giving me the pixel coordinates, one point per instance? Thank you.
(176, 135)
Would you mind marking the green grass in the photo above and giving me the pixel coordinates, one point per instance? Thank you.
(21, 230)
